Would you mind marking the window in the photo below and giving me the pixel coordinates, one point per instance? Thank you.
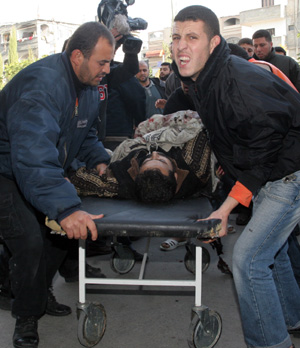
(6, 37)
(231, 21)
(271, 31)
(27, 34)
(267, 3)
(157, 35)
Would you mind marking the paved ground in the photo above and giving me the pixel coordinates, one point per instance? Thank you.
(145, 317)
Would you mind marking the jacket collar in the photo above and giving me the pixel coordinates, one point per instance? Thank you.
(79, 86)
(268, 57)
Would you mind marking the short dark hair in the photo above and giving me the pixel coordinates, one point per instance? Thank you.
(86, 37)
(236, 50)
(262, 33)
(200, 13)
(152, 186)
(280, 49)
(144, 62)
(166, 64)
(245, 40)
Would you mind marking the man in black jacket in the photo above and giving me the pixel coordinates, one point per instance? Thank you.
(264, 50)
(253, 121)
(125, 110)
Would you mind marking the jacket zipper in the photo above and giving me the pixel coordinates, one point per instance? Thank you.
(75, 113)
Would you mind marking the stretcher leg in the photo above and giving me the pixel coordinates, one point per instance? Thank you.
(205, 327)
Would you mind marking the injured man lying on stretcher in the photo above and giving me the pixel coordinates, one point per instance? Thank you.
(169, 158)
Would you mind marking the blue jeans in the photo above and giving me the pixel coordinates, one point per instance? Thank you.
(294, 253)
(268, 293)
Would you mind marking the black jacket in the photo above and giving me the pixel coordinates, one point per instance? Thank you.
(159, 86)
(178, 101)
(119, 73)
(252, 118)
(287, 65)
(126, 108)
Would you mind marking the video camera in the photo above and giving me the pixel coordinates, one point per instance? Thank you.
(108, 11)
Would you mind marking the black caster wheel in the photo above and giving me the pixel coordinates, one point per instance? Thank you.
(91, 324)
(122, 260)
(205, 330)
(190, 256)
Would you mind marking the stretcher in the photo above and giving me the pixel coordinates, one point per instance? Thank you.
(178, 218)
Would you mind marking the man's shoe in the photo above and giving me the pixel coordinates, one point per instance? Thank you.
(26, 335)
(55, 308)
(94, 249)
(93, 272)
(294, 332)
(90, 272)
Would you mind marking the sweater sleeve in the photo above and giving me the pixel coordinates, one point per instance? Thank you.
(241, 194)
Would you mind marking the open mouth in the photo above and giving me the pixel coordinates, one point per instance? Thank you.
(184, 60)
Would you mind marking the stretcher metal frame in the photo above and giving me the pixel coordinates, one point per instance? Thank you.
(129, 218)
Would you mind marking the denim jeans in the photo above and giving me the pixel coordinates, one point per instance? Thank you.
(268, 293)
(294, 253)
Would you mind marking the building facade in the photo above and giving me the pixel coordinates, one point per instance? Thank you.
(280, 17)
(156, 51)
(281, 20)
(42, 37)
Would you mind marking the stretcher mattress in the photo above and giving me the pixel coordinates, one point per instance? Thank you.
(174, 219)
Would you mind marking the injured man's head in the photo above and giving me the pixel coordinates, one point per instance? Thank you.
(157, 178)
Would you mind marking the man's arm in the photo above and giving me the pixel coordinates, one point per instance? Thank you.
(92, 151)
(223, 213)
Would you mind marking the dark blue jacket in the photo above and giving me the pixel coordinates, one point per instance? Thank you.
(41, 134)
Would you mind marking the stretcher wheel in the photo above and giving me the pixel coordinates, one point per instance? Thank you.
(123, 259)
(91, 324)
(190, 256)
(205, 330)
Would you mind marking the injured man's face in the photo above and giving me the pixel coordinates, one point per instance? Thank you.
(159, 161)
(157, 179)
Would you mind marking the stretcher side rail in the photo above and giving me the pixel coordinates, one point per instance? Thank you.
(175, 219)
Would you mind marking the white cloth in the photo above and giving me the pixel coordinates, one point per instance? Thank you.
(167, 131)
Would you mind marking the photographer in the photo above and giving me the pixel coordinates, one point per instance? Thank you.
(113, 14)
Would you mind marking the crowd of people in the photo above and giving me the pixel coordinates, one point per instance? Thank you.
(219, 114)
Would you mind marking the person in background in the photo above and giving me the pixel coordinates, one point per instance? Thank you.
(120, 72)
(153, 89)
(165, 71)
(264, 50)
(280, 50)
(254, 132)
(172, 81)
(247, 45)
(47, 117)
